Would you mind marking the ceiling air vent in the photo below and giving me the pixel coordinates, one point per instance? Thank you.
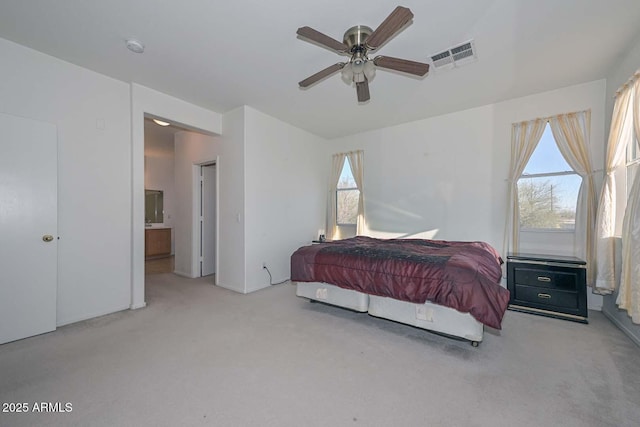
(442, 59)
(462, 51)
(455, 56)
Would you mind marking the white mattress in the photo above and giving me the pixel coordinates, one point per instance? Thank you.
(429, 316)
(333, 295)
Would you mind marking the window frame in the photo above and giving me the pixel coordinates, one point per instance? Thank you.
(339, 189)
(545, 175)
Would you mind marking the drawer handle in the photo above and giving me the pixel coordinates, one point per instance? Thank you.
(545, 296)
(544, 279)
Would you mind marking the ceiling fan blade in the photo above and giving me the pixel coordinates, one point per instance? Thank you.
(394, 22)
(321, 74)
(323, 39)
(404, 65)
(362, 90)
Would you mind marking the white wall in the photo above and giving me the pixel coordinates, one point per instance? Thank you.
(231, 208)
(271, 196)
(430, 178)
(272, 179)
(92, 113)
(445, 177)
(286, 170)
(191, 149)
(619, 74)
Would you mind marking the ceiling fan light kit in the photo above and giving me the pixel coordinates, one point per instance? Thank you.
(357, 42)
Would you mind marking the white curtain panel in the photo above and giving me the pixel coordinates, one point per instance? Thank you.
(571, 132)
(621, 131)
(629, 295)
(524, 139)
(356, 160)
(337, 163)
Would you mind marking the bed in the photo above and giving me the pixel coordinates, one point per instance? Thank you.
(448, 287)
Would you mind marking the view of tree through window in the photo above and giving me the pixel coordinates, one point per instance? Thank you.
(347, 196)
(548, 188)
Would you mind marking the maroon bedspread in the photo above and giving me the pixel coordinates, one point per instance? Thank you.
(461, 275)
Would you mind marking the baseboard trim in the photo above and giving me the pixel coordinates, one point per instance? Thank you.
(622, 327)
(258, 288)
(220, 285)
(137, 306)
(183, 274)
(91, 316)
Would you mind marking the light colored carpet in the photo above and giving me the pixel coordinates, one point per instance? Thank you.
(202, 355)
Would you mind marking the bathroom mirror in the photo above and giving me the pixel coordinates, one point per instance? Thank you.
(153, 207)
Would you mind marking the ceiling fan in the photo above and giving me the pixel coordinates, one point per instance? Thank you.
(358, 42)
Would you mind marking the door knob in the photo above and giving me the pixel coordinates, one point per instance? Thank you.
(47, 238)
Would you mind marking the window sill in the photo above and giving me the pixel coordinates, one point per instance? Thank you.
(548, 230)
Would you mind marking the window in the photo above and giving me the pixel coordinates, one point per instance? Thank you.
(347, 196)
(548, 189)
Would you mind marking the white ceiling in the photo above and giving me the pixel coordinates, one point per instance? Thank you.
(221, 55)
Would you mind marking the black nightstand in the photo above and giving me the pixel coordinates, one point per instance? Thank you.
(548, 285)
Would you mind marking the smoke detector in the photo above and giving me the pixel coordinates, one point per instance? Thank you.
(134, 45)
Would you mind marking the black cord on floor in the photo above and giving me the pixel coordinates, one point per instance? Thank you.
(271, 279)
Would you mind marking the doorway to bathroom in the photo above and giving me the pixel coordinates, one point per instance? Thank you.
(160, 197)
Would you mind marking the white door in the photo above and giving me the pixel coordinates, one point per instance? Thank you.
(28, 227)
(208, 237)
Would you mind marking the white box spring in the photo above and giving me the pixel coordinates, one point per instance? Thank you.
(428, 316)
(333, 295)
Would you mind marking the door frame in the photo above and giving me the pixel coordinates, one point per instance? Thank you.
(195, 218)
(151, 103)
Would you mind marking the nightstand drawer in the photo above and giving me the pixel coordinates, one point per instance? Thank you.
(545, 278)
(545, 296)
